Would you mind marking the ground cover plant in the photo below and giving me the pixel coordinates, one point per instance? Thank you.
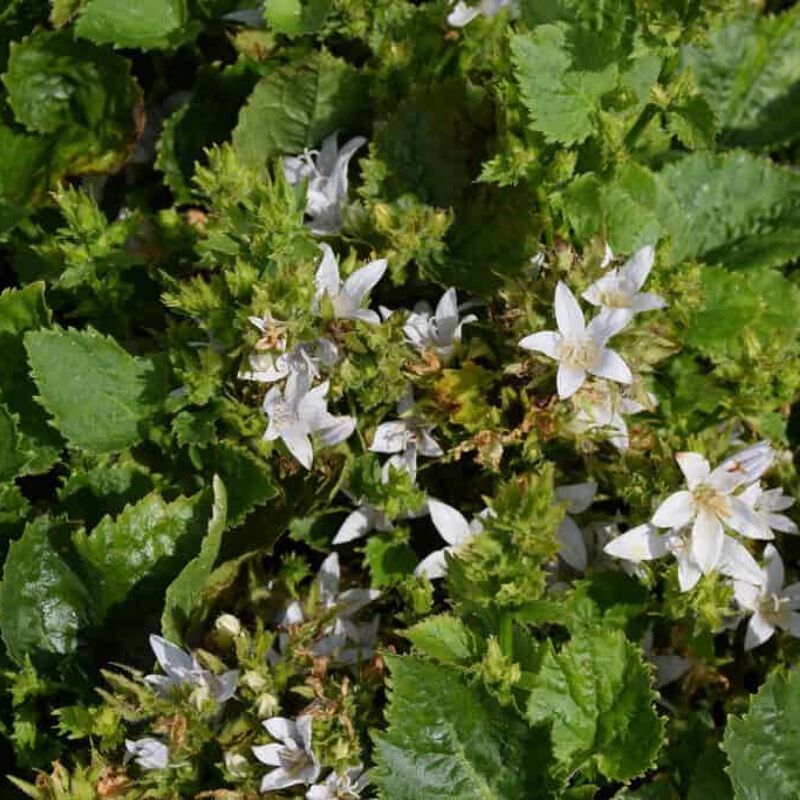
(399, 399)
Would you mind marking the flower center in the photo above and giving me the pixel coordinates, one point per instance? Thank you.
(710, 499)
(774, 608)
(284, 414)
(615, 298)
(678, 542)
(577, 353)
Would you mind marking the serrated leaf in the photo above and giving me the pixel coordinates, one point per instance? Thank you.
(23, 174)
(82, 94)
(296, 106)
(734, 209)
(443, 637)
(596, 693)
(560, 89)
(762, 746)
(184, 592)
(145, 24)
(10, 456)
(99, 395)
(388, 559)
(147, 541)
(25, 310)
(450, 739)
(43, 602)
(249, 479)
(750, 74)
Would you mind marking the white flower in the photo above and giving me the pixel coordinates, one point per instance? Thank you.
(669, 666)
(348, 642)
(454, 529)
(708, 503)
(646, 543)
(360, 522)
(580, 349)
(608, 256)
(408, 435)
(347, 786)
(750, 464)
(347, 298)
(462, 14)
(439, 331)
(345, 603)
(293, 757)
(299, 411)
(148, 753)
(183, 669)
(578, 497)
(767, 503)
(601, 410)
(618, 289)
(771, 605)
(326, 172)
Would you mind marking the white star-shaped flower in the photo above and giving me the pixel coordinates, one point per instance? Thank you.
(454, 529)
(619, 288)
(770, 603)
(148, 753)
(601, 410)
(297, 412)
(578, 497)
(439, 331)
(182, 669)
(646, 543)
(462, 14)
(345, 786)
(293, 758)
(347, 297)
(326, 173)
(768, 503)
(579, 348)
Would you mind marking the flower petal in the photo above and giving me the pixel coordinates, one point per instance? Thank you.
(642, 543)
(737, 563)
(357, 524)
(295, 437)
(573, 545)
(543, 342)
(569, 380)
(172, 659)
(611, 366)
(707, 540)
(390, 437)
(568, 313)
(695, 468)
(688, 573)
(280, 728)
(449, 522)
(638, 267)
(743, 519)
(747, 594)
(359, 284)
(577, 496)
(647, 301)
(433, 565)
(675, 512)
(758, 632)
(327, 277)
(773, 568)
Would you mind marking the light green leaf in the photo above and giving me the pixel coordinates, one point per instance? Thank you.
(734, 209)
(294, 17)
(11, 458)
(295, 107)
(451, 740)
(248, 477)
(596, 693)
(23, 174)
(147, 541)
(146, 24)
(559, 86)
(762, 746)
(443, 637)
(750, 74)
(99, 395)
(43, 603)
(184, 592)
(82, 94)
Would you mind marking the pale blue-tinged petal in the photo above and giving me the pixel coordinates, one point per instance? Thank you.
(638, 267)
(568, 313)
(695, 468)
(569, 379)
(611, 366)
(543, 342)
(572, 545)
(759, 631)
(434, 565)
(707, 540)
(642, 543)
(675, 512)
(449, 522)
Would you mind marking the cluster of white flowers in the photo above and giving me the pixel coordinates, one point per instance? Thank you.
(462, 14)
(581, 350)
(728, 497)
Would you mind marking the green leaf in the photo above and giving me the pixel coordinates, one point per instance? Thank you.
(295, 17)
(596, 693)
(10, 456)
(99, 395)
(147, 541)
(145, 24)
(444, 638)
(450, 739)
(389, 558)
(248, 476)
(606, 599)
(184, 592)
(560, 86)
(296, 106)
(762, 746)
(750, 75)
(82, 94)
(23, 174)
(734, 209)
(25, 310)
(43, 603)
